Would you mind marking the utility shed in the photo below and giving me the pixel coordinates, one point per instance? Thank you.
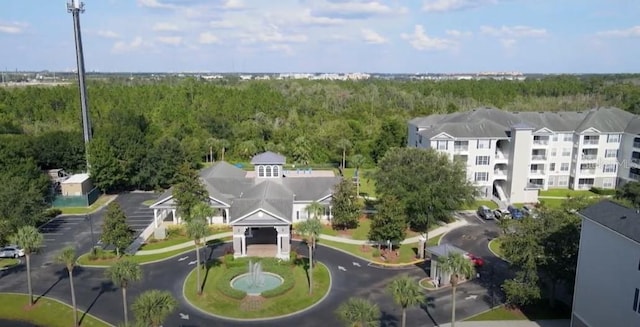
(440, 251)
(76, 185)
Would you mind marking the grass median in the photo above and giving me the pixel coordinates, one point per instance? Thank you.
(495, 245)
(46, 312)
(6, 263)
(102, 200)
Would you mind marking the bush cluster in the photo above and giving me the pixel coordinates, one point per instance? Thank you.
(98, 253)
(602, 191)
(225, 285)
(237, 267)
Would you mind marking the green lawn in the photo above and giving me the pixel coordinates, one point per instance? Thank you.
(367, 185)
(298, 298)
(433, 241)
(561, 192)
(553, 203)
(160, 244)
(475, 205)
(141, 259)
(496, 246)
(359, 233)
(8, 262)
(536, 311)
(46, 312)
(407, 251)
(102, 200)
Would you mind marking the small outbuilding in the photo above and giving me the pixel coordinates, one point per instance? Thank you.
(440, 277)
(76, 185)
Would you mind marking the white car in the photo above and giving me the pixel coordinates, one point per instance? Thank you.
(11, 251)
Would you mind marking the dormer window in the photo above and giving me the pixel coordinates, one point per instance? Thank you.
(260, 171)
(276, 171)
(268, 171)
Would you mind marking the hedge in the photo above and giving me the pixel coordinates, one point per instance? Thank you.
(238, 267)
(224, 285)
(287, 276)
(603, 191)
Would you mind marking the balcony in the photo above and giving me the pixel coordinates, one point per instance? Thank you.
(460, 148)
(539, 157)
(500, 174)
(590, 142)
(635, 161)
(636, 144)
(501, 157)
(536, 172)
(587, 171)
(634, 176)
(589, 157)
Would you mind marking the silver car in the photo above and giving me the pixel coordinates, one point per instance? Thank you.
(11, 251)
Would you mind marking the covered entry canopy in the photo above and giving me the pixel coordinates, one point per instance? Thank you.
(437, 275)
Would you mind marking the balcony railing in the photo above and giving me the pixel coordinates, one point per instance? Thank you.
(634, 176)
(539, 157)
(587, 171)
(635, 160)
(500, 172)
(589, 156)
(536, 172)
(636, 144)
(501, 155)
(460, 148)
(541, 142)
(591, 142)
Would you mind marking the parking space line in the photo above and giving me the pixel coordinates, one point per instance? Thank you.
(52, 234)
(481, 220)
(49, 239)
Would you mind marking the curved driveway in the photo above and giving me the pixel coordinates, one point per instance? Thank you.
(101, 298)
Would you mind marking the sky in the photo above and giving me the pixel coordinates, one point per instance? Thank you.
(375, 36)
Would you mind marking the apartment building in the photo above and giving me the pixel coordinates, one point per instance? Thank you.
(512, 155)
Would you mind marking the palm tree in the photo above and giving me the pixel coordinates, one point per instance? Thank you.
(122, 273)
(152, 307)
(358, 312)
(30, 240)
(458, 266)
(406, 293)
(357, 160)
(315, 209)
(67, 257)
(311, 229)
(344, 145)
(197, 229)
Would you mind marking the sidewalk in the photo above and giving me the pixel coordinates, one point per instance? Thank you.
(436, 232)
(512, 323)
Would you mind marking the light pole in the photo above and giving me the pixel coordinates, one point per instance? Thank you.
(75, 7)
(90, 220)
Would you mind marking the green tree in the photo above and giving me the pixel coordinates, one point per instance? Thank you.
(630, 191)
(311, 229)
(392, 134)
(122, 273)
(428, 185)
(153, 307)
(458, 267)
(358, 312)
(344, 145)
(346, 208)
(189, 191)
(315, 209)
(357, 161)
(406, 293)
(30, 240)
(388, 224)
(68, 257)
(115, 230)
(107, 172)
(197, 229)
(301, 151)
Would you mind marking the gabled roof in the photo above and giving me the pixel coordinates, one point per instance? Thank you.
(615, 217)
(222, 169)
(444, 250)
(494, 123)
(268, 158)
(267, 195)
(311, 188)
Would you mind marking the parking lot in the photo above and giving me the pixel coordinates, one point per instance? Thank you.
(139, 216)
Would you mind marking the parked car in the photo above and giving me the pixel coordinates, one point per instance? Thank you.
(11, 251)
(530, 210)
(502, 214)
(485, 213)
(515, 212)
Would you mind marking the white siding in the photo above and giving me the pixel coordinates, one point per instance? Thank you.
(607, 277)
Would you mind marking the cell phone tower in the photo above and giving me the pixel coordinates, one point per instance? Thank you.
(75, 7)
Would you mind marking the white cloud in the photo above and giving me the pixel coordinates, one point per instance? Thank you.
(508, 43)
(108, 34)
(165, 27)
(303, 18)
(454, 5)
(208, 38)
(372, 37)
(271, 34)
(421, 41)
(457, 33)
(518, 31)
(170, 40)
(281, 48)
(621, 33)
(356, 9)
(223, 24)
(12, 28)
(233, 5)
(156, 4)
(135, 44)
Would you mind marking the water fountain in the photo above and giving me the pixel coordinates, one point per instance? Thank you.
(256, 281)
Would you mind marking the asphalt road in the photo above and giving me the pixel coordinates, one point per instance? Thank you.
(99, 297)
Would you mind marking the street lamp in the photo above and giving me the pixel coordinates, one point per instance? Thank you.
(89, 219)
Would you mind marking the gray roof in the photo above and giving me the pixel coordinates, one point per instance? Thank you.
(489, 122)
(444, 250)
(615, 217)
(268, 158)
(229, 184)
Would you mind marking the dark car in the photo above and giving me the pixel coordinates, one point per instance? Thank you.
(515, 212)
(485, 213)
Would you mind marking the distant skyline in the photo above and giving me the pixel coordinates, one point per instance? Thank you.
(392, 36)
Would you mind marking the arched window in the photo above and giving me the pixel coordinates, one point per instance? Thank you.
(268, 169)
(260, 171)
(276, 172)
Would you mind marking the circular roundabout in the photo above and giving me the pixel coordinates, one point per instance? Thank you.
(257, 288)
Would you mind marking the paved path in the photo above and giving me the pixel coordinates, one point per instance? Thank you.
(434, 233)
(512, 323)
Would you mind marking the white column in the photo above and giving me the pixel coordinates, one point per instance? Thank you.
(175, 219)
(330, 213)
(155, 217)
(279, 245)
(244, 245)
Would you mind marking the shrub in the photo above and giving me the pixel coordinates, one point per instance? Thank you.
(603, 191)
(174, 231)
(228, 259)
(287, 284)
(52, 213)
(375, 253)
(224, 286)
(93, 254)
